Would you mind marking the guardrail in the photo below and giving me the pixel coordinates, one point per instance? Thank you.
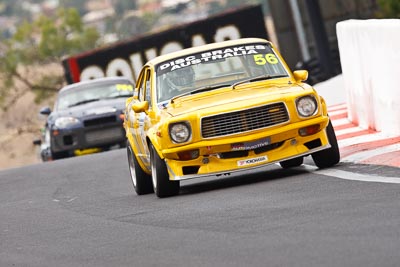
(370, 59)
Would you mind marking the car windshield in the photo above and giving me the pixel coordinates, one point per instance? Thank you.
(93, 92)
(218, 68)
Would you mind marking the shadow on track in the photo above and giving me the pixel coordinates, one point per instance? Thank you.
(226, 182)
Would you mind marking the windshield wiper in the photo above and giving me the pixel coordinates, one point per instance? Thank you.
(259, 78)
(201, 89)
(84, 102)
(208, 88)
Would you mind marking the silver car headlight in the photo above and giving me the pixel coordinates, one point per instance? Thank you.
(66, 122)
(306, 106)
(180, 132)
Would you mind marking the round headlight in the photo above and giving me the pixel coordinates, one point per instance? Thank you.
(179, 132)
(65, 122)
(306, 106)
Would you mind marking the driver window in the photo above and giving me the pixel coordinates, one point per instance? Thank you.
(148, 87)
(140, 86)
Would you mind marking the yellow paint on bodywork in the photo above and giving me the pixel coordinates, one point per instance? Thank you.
(191, 108)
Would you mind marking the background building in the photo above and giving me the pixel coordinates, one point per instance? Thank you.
(305, 31)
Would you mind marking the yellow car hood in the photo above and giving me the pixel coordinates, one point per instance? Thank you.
(230, 99)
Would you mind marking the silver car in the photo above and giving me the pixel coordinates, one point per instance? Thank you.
(87, 118)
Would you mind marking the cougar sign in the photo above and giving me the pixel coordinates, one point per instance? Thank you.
(126, 58)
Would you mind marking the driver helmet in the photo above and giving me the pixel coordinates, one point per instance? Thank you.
(183, 77)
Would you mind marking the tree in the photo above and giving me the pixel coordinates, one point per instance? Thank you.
(389, 9)
(45, 40)
(79, 5)
(122, 6)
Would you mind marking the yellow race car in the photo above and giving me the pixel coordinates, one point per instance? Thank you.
(222, 110)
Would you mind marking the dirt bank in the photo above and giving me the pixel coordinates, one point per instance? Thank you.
(20, 124)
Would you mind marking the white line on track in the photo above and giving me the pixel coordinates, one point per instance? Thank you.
(364, 139)
(337, 112)
(349, 130)
(363, 155)
(342, 106)
(353, 176)
(339, 122)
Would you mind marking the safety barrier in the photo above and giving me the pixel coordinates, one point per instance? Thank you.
(370, 59)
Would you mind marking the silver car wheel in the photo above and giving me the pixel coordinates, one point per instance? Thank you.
(132, 168)
(153, 170)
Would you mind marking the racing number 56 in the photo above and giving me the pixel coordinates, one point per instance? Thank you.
(263, 59)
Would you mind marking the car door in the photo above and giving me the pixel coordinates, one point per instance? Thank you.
(142, 120)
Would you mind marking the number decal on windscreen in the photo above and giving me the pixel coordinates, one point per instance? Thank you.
(260, 59)
(124, 87)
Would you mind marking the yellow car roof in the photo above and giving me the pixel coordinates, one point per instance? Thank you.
(198, 49)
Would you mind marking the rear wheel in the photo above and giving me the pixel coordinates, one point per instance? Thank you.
(163, 187)
(141, 181)
(292, 163)
(331, 156)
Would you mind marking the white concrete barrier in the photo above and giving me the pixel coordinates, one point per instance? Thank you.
(370, 58)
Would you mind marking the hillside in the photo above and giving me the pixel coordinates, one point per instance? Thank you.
(20, 124)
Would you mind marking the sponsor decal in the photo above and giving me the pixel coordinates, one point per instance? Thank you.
(252, 161)
(215, 55)
(251, 145)
(124, 87)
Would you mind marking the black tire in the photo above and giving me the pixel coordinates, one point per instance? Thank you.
(123, 144)
(163, 187)
(141, 181)
(331, 156)
(60, 155)
(292, 163)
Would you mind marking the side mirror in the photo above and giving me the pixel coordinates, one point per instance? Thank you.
(45, 111)
(128, 100)
(140, 106)
(300, 75)
(37, 142)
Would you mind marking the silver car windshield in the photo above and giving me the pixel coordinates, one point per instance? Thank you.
(92, 92)
(214, 69)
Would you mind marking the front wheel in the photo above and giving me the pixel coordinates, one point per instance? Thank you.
(141, 181)
(163, 187)
(331, 156)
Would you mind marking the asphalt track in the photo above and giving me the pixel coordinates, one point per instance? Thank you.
(83, 212)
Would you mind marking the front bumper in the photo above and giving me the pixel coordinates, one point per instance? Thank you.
(243, 171)
(220, 159)
(77, 139)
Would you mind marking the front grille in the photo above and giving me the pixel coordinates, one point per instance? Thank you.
(100, 121)
(101, 136)
(68, 140)
(244, 120)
